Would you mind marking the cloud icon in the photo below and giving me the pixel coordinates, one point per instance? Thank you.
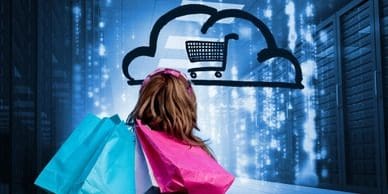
(272, 51)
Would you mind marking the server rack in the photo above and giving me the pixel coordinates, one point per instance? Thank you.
(23, 96)
(27, 88)
(61, 71)
(328, 145)
(361, 157)
(44, 85)
(382, 14)
(53, 78)
(358, 96)
(5, 98)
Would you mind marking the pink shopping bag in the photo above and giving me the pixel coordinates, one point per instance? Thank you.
(180, 167)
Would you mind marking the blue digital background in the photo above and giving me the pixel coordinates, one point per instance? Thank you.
(61, 60)
(253, 131)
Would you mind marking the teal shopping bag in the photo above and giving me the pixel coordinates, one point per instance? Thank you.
(114, 170)
(77, 156)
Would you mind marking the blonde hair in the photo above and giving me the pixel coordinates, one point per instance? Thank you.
(167, 103)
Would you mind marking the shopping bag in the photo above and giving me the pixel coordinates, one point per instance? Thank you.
(180, 167)
(142, 172)
(77, 155)
(114, 170)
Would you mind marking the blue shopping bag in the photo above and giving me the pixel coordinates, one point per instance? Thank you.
(114, 171)
(83, 155)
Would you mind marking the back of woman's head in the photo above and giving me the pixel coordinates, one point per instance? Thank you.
(167, 103)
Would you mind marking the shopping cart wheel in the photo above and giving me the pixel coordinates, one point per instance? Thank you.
(193, 74)
(218, 74)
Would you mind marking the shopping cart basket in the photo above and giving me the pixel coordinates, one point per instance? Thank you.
(199, 51)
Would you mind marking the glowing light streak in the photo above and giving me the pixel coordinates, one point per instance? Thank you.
(249, 104)
(234, 72)
(101, 50)
(268, 13)
(307, 175)
(323, 36)
(101, 24)
(292, 36)
(77, 11)
(97, 103)
(308, 35)
(309, 10)
(274, 143)
(245, 32)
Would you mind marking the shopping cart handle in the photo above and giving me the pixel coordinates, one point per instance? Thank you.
(231, 36)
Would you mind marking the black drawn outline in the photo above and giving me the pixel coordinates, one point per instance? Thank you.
(265, 54)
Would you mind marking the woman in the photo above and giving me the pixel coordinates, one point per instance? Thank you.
(167, 104)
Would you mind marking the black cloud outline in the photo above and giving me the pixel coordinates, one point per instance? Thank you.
(265, 54)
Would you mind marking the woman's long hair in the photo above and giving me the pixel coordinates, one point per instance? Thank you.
(167, 103)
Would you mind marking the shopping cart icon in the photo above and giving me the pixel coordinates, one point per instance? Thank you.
(206, 51)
